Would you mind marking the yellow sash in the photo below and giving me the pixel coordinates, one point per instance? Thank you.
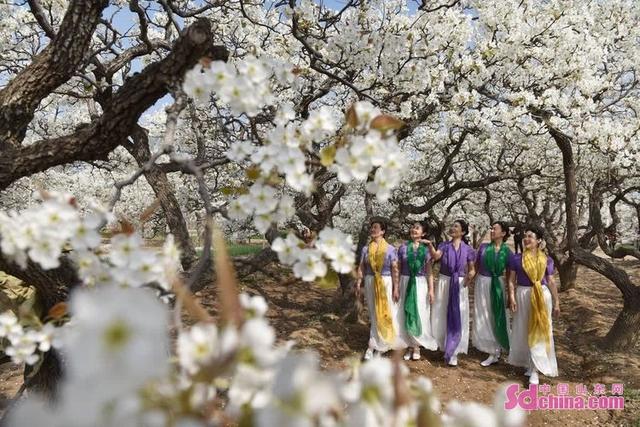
(535, 267)
(383, 314)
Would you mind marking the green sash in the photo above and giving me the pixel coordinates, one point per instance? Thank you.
(496, 266)
(416, 263)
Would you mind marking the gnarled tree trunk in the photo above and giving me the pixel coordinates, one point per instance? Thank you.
(163, 190)
(625, 332)
(568, 271)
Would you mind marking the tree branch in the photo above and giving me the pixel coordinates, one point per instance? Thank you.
(95, 140)
(49, 69)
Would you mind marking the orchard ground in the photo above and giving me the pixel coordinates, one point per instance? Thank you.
(306, 313)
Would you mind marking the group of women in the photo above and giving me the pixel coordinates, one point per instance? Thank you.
(515, 297)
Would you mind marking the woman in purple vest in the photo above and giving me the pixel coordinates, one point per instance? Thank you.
(416, 293)
(450, 310)
(490, 332)
(379, 269)
(533, 302)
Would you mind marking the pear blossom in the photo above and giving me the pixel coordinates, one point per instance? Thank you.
(9, 325)
(114, 336)
(23, 348)
(309, 265)
(287, 249)
(198, 347)
(239, 151)
(255, 305)
(330, 241)
(263, 198)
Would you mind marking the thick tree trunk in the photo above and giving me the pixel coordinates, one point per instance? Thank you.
(571, 197)
(623, 251)
(625, 332)
(95, 140)
(52, 67)
(346, 299)
(348, 303)
(52, 286)
(568, 271)
(347, 283)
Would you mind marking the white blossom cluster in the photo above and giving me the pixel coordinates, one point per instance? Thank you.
(42, 232)
(285, 150)
(116, 342)
(373, 147)
(24, 344)
(263, 202)
(244, 86)
(333, 247)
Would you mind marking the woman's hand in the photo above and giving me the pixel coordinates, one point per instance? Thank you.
(556, 310)
(512, 305)
(396, 294)
(357, 288)
(432, 297)
(468, 281)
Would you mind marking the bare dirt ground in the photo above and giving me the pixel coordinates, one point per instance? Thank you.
(307, 314)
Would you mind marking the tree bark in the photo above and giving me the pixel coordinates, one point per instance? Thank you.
(49, 69)
(52, 286)
(95, 140)
(163, 190)
(46, 379)
(571, 197)
(568, 271)
(625, 332)
(623, 251)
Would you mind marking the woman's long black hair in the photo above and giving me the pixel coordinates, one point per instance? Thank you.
(465, 230)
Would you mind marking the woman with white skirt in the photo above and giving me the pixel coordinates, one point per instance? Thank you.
(379, 267)
(450, 310)
(416, 294)
(533, 302)
(490, 333)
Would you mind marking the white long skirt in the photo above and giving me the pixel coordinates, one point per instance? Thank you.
(483, 335)
(375, 341)
(426, 339)
(439, 314)
(520, 354)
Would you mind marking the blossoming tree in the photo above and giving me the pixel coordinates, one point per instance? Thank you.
(277, 114)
